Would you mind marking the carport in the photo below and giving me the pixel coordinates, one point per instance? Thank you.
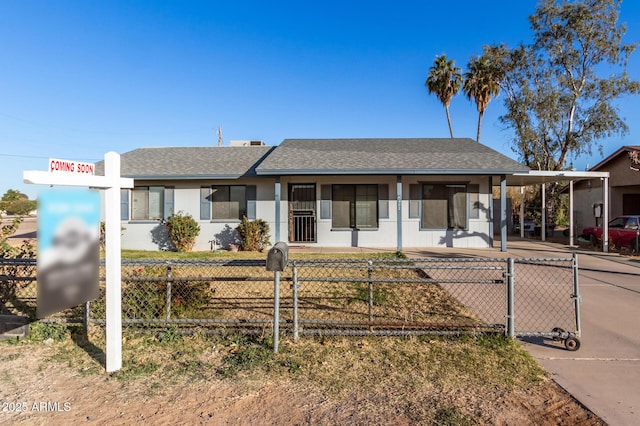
(539, 177)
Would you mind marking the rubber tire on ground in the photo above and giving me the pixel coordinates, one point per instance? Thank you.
(593, 240)
(633, 246)
(572, 344)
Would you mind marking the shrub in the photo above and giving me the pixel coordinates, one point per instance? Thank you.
(183, 230)
(144, 295)
(254, 235)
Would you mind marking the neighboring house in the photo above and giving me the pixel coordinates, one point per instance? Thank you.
(325, 192)
(624, 189)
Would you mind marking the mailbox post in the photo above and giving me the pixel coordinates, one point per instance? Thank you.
(277, 259)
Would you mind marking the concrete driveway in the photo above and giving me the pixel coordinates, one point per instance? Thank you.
(604, 374)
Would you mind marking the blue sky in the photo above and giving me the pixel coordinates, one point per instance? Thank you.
(81, 78)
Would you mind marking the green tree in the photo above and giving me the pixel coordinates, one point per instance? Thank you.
(444, 80)
(16, 203)
(481, 83)
(561, 89)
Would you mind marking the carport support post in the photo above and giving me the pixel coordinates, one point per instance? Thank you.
(510, 299)
(571, 236)
(522, 212)
(605, 215)
(543, 229)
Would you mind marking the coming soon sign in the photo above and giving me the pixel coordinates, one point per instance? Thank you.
(68, 166)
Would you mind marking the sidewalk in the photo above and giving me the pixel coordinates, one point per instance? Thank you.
(604, 374)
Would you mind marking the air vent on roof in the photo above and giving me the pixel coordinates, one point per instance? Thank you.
(246, 143)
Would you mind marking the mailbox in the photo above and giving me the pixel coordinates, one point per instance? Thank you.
(278, 257)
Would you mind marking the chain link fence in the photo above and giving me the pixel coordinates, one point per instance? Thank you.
(522, 297)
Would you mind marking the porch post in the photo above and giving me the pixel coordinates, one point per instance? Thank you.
(277, 200)
(605, 215)
(503, 213)
(543, 230)
(571, 213)
(490, 211)
(399, 212)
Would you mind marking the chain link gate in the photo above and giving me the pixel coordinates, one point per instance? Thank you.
(547, 299)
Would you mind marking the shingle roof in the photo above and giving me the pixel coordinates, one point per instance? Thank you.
(386, 156)
(190, 162)
(622, 149)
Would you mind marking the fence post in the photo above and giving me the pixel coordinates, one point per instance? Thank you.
(294, 287)
(86, 319)
(369, 275)
(510, 299)
(276, 310)
(576, 292)
(168, 298)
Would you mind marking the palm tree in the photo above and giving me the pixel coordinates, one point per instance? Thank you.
(444, 80)
(481, 82)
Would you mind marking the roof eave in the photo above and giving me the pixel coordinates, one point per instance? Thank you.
(280, 172)
(184, 177)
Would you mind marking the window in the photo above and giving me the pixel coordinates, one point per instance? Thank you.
(354, 206)
(151, 203)
(444, 206)
(227, 202)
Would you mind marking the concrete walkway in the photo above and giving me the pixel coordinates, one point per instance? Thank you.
(604, 374)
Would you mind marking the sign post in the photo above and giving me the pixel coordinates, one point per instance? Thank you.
(70, 173)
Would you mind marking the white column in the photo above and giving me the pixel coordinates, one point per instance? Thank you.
(522, 212)
(571, 213)
(605, 215)
(543, 231)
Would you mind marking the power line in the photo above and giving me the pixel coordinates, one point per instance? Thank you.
(104, 132)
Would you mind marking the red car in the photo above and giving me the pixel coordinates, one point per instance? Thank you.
(623, 232)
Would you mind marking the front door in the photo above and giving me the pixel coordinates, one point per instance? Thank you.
(302, 213)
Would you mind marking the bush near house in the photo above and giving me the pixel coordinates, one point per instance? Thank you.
(183, 230)
(254, 234)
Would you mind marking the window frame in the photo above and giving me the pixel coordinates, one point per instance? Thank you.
(449, 197)
(163, 201)
(357, 202)
(247, 208)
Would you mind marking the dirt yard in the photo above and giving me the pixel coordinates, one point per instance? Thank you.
(58, 383)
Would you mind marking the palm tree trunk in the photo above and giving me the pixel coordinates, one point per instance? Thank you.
(480, 115)
(446, 108)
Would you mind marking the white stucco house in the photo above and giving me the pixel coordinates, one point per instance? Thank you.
(386, 193)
